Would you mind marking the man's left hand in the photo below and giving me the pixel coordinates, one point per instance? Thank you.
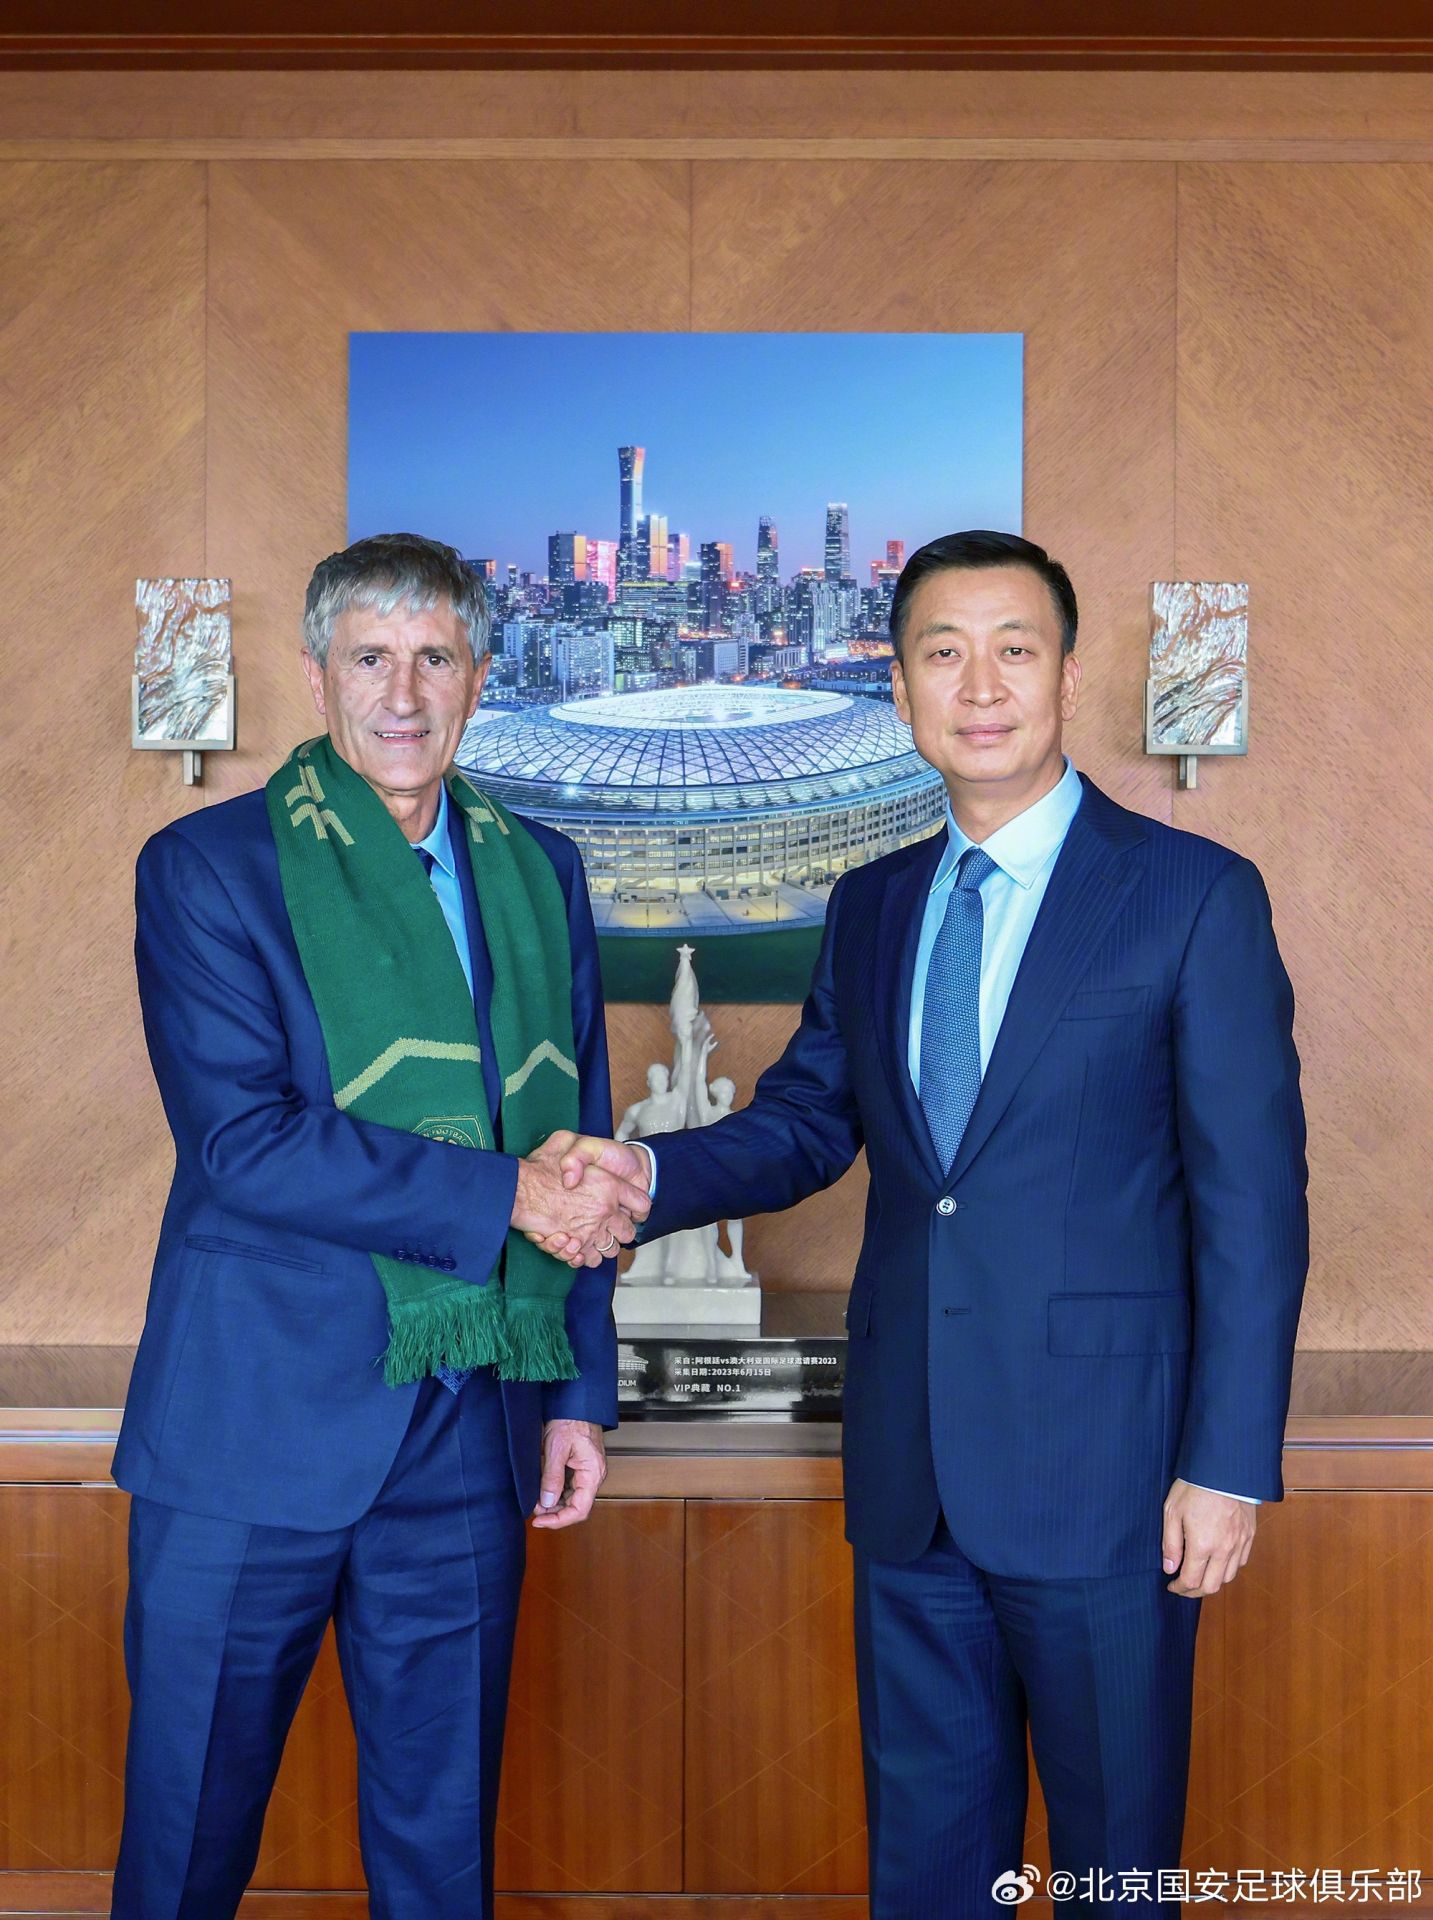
(574, 1465)
(1207, 1537)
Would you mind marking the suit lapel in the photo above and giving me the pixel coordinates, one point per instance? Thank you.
(903, 909)
(1092, 880)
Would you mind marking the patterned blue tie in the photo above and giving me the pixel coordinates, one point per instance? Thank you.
(950, 1021)
(451, 1378)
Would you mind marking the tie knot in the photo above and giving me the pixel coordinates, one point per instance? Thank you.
(975, 863)
(426, 858)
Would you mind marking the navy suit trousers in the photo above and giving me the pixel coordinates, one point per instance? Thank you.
(951, 1662)
(224, 1623)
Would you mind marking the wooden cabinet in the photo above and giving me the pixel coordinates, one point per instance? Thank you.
(683, 1708)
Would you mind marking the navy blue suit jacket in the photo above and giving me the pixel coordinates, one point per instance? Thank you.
(255, 1395)
(1102, 1293)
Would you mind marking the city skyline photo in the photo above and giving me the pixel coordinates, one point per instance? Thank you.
(919, 434)
(690, 543)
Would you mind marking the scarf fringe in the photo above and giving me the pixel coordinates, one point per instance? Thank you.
(538, 1347)
(459, 1330)
(524, 1339)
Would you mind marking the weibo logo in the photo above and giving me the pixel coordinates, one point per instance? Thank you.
(1012, 1889)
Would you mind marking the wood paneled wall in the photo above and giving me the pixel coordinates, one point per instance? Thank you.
(1227, 296)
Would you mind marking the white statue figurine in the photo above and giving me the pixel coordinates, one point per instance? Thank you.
(676, 1099)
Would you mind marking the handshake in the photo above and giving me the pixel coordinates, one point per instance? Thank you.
(580, 1198)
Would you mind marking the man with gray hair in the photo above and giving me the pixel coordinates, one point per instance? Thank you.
(370, 995)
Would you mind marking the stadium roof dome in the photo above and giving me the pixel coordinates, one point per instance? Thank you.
(699, 750)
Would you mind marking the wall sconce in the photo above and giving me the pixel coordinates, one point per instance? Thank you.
(183, 688)
(1197, 696)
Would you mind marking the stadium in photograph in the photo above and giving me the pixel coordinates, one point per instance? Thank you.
(712, 810)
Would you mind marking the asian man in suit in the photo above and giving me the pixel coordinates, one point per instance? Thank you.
(1063, 1034)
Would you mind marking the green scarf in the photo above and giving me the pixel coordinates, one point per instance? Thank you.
(401, 1034)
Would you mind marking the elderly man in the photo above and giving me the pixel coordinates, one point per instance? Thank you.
(370, 994)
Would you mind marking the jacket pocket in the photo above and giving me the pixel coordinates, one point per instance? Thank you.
(240, 1250)
(1118, 1323)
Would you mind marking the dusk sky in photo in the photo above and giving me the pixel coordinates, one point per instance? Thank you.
(492, 441)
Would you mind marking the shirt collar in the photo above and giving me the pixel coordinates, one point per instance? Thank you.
(1023, 846)
(437, 842)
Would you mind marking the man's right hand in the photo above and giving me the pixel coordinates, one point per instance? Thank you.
(587, 1165)
(580, 1207)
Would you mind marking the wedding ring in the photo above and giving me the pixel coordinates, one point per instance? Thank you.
(611, 1246)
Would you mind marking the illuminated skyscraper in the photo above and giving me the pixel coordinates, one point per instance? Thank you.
(630, 462)
(566, 558)
(679, 552)
(486, 570)
(602, 563)
(896, 554)
(766, 600)
(767, 568)
(652, 546)
(716, 573)
(838, 540)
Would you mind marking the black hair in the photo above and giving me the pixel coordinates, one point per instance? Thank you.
(981, 548)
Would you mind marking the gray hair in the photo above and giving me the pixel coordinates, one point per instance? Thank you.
(389, 571)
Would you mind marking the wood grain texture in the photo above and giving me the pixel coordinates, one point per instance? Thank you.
(101, 363)
(592, 1772)
(59, 1894)
(748, 34)
(1306, 467)
(1274, 317)
(774, 1801)
(64, 1707)
(1199, 107)
(75, 1894)
(1326, 1699)
(698, 1654)
(1393, 1455)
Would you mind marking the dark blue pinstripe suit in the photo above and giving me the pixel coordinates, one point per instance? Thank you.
(278, 1482)
(1110, 1303)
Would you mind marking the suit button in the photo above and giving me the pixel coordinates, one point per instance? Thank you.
(945, 1205)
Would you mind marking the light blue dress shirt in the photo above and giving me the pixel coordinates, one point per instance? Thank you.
(444, 878)
(1024, 851)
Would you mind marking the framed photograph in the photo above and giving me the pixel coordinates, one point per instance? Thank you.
(690, 543)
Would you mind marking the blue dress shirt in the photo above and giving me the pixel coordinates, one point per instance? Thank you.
(1024, 851)
(445, 883)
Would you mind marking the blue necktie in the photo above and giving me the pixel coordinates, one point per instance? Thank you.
(451, 1378)
(950, 1021)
